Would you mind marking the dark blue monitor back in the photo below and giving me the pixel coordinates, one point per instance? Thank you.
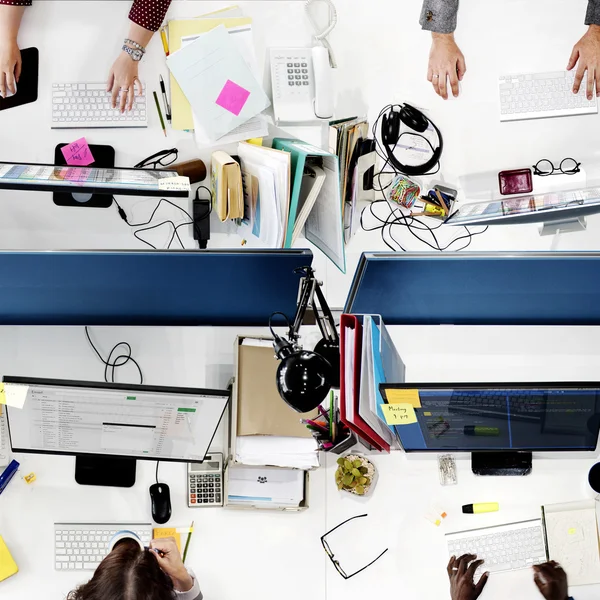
(525, 288)
(148, 287)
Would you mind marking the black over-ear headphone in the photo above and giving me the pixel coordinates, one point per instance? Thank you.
(390, 134)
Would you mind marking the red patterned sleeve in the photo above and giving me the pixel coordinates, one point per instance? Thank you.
(16, 2)
(148, 14)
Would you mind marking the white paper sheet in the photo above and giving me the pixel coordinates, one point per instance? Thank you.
(299, 453)
(204, 68)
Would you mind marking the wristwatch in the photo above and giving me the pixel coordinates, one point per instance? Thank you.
(134, 53)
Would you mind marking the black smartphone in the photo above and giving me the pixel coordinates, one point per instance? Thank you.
(27, 88)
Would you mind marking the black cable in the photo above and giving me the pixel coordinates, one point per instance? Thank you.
(271, 318)
(115, 364)
(156, 475)
(175, 233)
(395, 215)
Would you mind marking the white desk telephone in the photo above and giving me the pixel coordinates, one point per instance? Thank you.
(302, 82)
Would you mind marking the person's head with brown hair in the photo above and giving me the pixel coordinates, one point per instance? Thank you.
(127, 573)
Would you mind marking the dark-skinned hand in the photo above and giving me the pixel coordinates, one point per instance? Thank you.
(461, 571)
(551, 580)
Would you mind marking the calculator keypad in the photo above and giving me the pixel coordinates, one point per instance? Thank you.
(205, 489)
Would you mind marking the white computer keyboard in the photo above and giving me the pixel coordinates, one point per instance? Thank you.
(83, 546)
(85, 105)
(503, 548)
(540, 95)
(4, 449)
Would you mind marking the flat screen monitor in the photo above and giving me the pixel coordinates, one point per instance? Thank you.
(113, 421)
(88, 180)
(558, 206)
(503, 417)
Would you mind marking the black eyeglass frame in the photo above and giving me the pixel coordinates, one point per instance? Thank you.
(159, 157)
(331, 555)
(555, 171)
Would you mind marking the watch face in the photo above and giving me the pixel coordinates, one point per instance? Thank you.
(136, 54)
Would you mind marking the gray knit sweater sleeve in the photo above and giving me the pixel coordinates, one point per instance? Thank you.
(440, 15)
(592, 15)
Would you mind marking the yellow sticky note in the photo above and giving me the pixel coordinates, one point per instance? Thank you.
(426, 414)
(165, 532)
(2, 394)
(399, 414)
(395, 396)
(255, 141)
(572, 531)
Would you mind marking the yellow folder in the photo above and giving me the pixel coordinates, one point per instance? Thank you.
(8, 566)
(178, 28)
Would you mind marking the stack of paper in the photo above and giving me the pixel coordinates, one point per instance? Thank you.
(297, 453)
(265, 486)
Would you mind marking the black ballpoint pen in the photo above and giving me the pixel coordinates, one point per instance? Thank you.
(164, 95)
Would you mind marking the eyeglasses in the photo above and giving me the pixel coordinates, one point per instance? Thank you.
(568, 166)
(164, 158)
(329, 552)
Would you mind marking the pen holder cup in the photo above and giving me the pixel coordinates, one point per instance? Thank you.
(344, 444)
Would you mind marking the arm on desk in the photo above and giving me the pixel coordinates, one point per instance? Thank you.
(168, 557)
(11, 13)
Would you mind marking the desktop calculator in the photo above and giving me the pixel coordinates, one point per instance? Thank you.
(205, 481)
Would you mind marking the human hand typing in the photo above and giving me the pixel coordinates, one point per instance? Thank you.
(10, 66)
(446, 61)
(460, 572)
(167, 554)
(586, 55)
(551, 580)
(122, 79)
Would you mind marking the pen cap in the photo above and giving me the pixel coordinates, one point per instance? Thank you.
(194, 169)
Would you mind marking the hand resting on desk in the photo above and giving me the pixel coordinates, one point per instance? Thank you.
(549, 578)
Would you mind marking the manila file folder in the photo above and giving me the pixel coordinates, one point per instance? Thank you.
(261, 411)
(8, 566)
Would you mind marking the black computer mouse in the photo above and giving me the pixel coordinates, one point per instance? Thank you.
(160, 496)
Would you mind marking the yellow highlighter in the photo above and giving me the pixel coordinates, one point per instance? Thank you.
(483, 507)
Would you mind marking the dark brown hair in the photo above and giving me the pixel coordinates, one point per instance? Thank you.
(127, 573)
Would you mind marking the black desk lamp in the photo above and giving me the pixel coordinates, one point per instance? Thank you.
(304, 378)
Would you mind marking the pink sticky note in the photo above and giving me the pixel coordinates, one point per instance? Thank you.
(78, 153)
(233, 97)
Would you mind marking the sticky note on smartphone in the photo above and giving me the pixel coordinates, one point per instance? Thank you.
(399, 414)
(78, 153)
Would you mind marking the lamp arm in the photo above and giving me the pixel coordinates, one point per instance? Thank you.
(323, 315)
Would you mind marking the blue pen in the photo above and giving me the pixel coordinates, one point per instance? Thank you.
(8, 474)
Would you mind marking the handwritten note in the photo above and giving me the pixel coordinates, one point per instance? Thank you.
(78, 153)
(403, 397)
(399, 414)
(233, 97)
(13, 394)
(174, 184)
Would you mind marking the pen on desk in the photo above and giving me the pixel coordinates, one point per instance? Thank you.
(162, 122)
(187, 544)
(166, 102)
(165, 43)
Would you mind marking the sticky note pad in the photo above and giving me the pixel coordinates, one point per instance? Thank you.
(399, 414)
(395, 396)
(78, 153)
(572, 531)
(14, 394)
(165, 532)
(233, 97)
(2, 394)
(8, 566)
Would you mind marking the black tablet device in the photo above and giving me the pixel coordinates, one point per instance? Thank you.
(27, 88)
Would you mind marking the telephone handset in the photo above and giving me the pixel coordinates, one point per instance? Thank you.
(302, 82)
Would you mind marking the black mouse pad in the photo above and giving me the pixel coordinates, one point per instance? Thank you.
(27, 88)
(104, 157)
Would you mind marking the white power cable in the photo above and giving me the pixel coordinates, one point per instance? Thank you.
(321, 35)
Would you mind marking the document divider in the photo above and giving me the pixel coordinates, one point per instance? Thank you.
(170, 288)
(478, 288)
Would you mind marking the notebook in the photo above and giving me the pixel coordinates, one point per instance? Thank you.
(572, 538)
(8, 566)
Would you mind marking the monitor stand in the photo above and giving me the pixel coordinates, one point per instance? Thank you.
(104, 158)
(565, 226)
(501, 463)
(105, 471)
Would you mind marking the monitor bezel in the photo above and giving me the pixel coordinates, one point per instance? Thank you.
(497, 385)
(112, 386)
(107, 190)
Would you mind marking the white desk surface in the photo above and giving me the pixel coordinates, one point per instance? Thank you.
(382, 56)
